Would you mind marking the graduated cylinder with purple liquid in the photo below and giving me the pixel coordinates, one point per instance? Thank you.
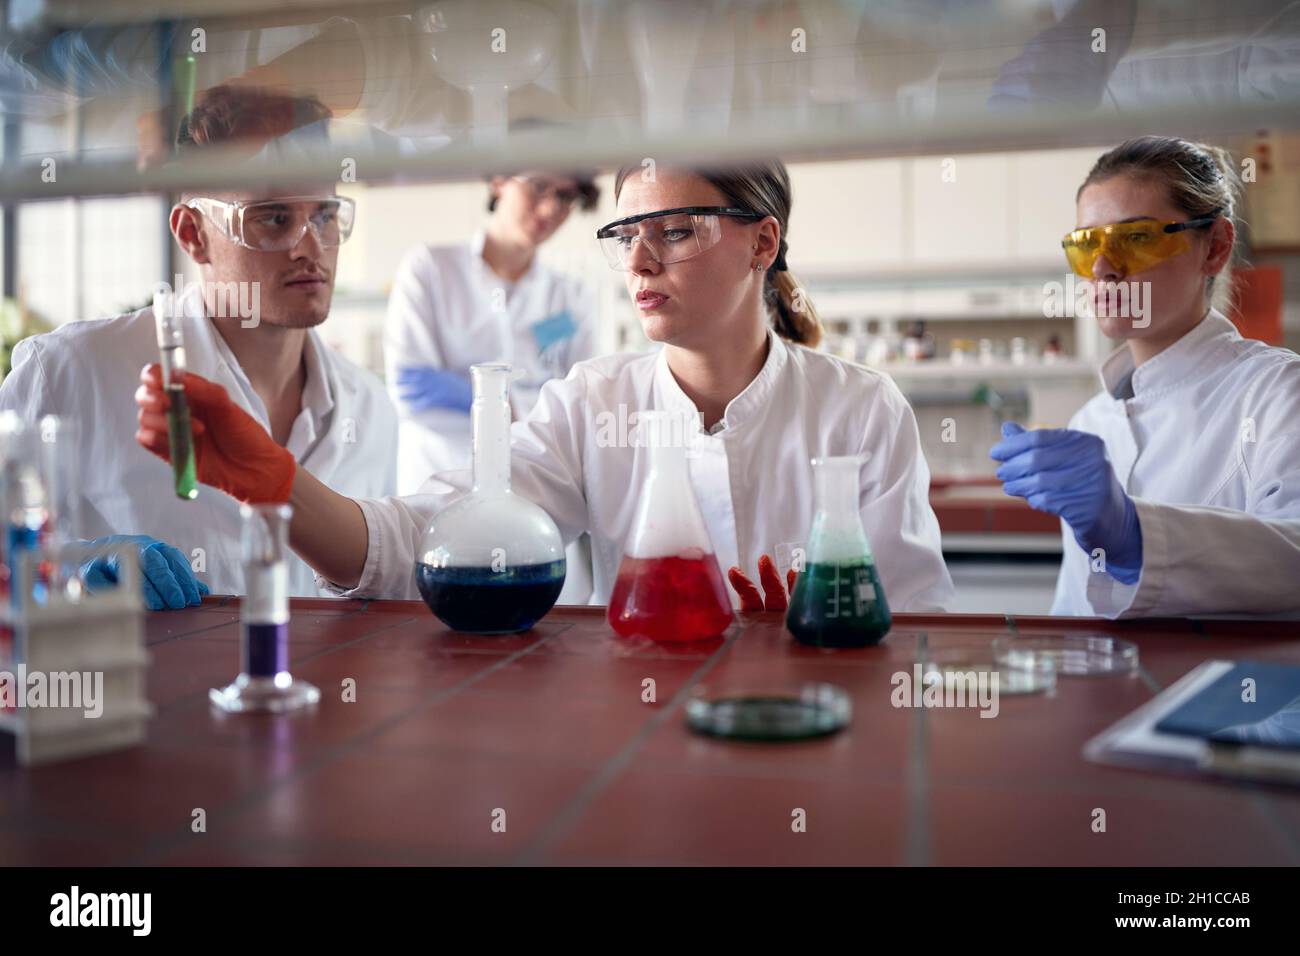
(264, 682)
(264, 613)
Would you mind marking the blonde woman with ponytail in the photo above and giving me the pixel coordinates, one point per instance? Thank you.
(1178, 487)
(704, 255)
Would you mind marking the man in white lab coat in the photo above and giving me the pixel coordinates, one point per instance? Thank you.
(1178, 487)
(267, 264)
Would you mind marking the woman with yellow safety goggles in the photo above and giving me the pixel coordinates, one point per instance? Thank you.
(1179, 485)
(1131, 246)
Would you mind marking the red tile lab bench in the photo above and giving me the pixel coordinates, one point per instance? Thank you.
(447, 731)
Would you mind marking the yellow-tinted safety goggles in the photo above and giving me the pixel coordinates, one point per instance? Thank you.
(1130, 246)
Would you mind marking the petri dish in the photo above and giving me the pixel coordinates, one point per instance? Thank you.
(817, 710)
(1027, 675)
(1073, 655)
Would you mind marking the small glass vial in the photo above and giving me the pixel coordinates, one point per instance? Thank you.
(171, 352)
(264, 684)
(1018, 352)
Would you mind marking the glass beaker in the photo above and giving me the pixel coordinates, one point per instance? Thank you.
(491, 562)
(264, 684)
(669, 586)
(838, 600)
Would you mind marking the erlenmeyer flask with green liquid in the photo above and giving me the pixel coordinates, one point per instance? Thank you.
(838, 600)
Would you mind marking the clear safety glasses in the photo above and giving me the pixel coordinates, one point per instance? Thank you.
(274, 225)
(540, 188)
(669, 235)
(1129, 246)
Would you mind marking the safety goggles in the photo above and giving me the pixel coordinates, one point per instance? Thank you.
(669, 235)
(274, 225)
(564, 193)
(1130, 246)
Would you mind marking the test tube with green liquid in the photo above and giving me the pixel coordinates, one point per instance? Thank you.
(171, 348)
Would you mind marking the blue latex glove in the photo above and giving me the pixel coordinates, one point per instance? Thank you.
(169, 582)
(422, 388)
(1067, 473)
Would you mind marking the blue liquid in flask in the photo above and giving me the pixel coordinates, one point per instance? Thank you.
(491, 562)
(485, 601)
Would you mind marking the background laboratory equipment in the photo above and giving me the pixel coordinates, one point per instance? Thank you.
(23, 494)
(838, 600)
(1070, 655)
(669, 586)
(491, 562)
(171, 349)
(38, 495)
(264, 683)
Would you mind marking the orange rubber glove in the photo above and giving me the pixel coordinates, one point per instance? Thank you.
(774, 595)
(232, 451)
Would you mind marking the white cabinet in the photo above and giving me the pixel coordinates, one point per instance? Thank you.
(1044, 185)
(962, 212)
(849, 216)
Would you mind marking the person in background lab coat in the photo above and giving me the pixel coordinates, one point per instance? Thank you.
(1179, 485)
(711, 285)
(490, 300)
(306, 401)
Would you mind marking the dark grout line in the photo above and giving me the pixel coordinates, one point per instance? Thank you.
(331, 648)
(213, 627)
(1263, 805)
(181, 637)
(339, 751)
(294, 662)
(917, 849)
(564, 821)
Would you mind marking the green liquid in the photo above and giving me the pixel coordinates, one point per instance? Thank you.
(839, 605)
(182, 444)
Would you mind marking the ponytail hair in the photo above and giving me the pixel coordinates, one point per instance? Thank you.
(764, 187)
(793, 315)
(1202, 181)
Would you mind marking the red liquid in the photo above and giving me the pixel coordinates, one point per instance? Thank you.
(670, 599)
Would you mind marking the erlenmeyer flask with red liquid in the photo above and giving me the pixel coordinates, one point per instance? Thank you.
(669, 586)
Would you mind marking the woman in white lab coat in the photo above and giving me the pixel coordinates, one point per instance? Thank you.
(711, 285)
(490, 300)
(1179, 485)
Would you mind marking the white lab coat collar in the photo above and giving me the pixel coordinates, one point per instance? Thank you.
(488, 277)
(749, 404)
(1184, 363)
(206, 353)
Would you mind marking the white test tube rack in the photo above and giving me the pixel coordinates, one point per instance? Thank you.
(77, 631)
